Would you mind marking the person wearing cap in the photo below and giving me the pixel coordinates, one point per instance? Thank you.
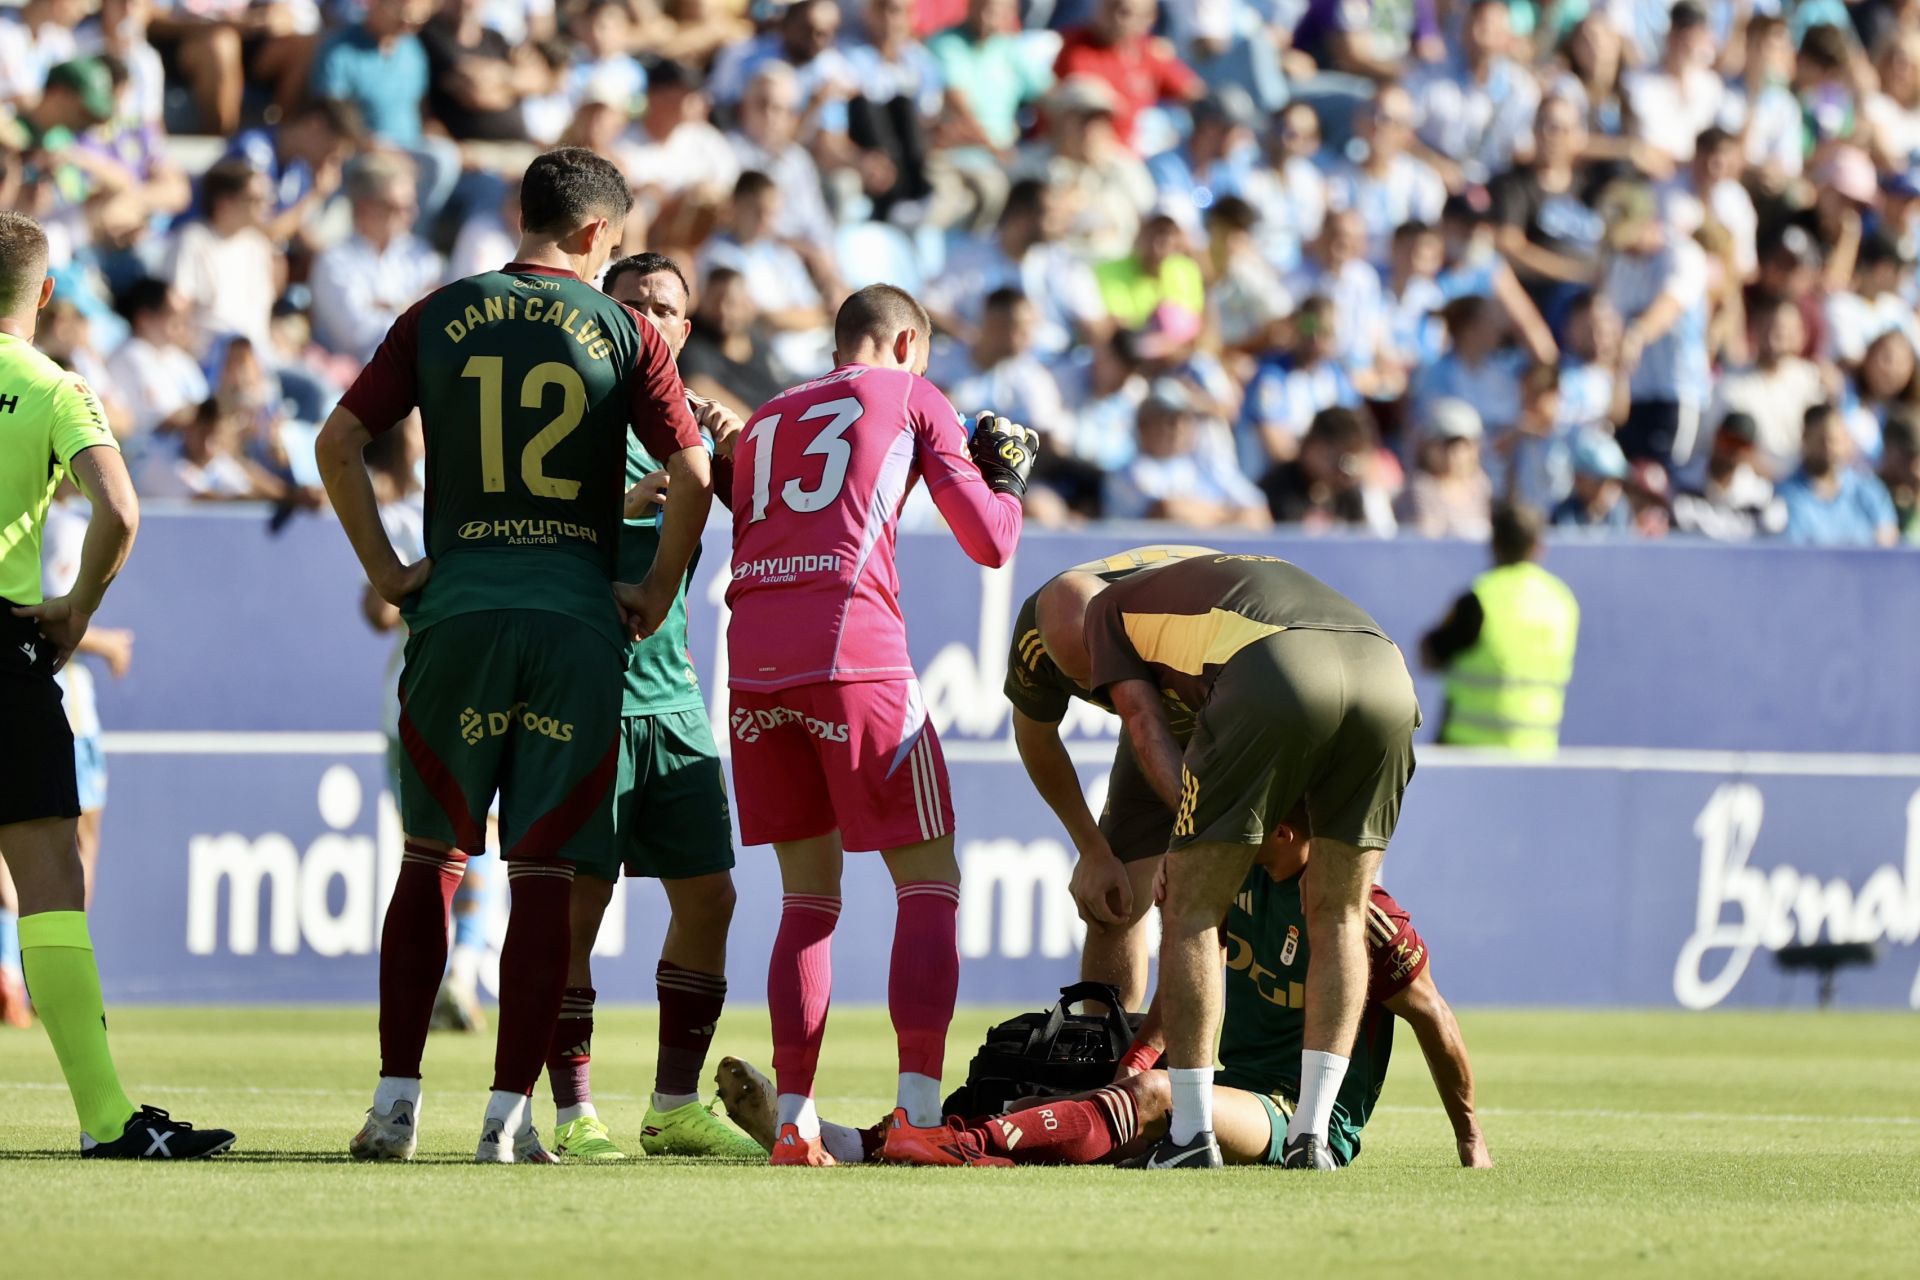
(1159, 270)
(1449, 493)
(1174, 478)
(1830, 501)
(1507, 645)
(1734, 500)
(1598, 498)
(1776, 390)
(1656, 278)
(1118, 48)
(1474, 112)
(78, 96)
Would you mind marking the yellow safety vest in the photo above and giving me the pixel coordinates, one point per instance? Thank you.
(1510, 689)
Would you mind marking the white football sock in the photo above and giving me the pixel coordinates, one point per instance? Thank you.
(673, 1101)
(1192, 1101)
(1320, 1077)
(511, 1113)
(567, 1115)
(920, 1095)
(394, 1089)
(842, 1143)
(797, 1109)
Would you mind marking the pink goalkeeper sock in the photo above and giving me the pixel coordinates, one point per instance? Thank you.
(800, 987)
(925, 978)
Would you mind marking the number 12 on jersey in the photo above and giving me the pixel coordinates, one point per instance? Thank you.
(488, 371)
(828, 443)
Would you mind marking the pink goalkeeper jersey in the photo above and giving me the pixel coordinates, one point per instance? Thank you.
(819, 477)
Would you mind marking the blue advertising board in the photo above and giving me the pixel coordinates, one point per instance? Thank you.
(250, 840)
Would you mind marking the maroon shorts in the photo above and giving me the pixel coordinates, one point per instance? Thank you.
(859, 758)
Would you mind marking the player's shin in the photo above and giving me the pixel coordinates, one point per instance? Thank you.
(1066, 1131)
(690, 1005)
(922, 985)
(569, 1059)
(413, 953)
(57, 955)
(799, 989)
(533, 971)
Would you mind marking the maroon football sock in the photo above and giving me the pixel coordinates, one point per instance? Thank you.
(413, 953)
(800, 987)
(533, 970)
(1063, 1132)
(567, 1061)
(690, 1004)
(925, 975)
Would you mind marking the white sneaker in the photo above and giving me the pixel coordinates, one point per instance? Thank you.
(392, 1136)
(508, 1137)
(527, 1148)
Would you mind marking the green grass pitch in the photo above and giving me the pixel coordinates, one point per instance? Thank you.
(1626, 1143)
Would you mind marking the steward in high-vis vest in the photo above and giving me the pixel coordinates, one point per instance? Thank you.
(1507, 646)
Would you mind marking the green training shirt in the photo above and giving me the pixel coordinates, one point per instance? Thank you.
(527, 380)
(660, 676)
(47, 415)
(1265, 1021)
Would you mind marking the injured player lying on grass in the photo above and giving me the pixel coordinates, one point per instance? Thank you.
(1265, 948)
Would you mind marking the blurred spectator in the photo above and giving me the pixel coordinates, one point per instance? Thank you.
(1106, 389)
(803, 39)
(1790, 267)
(1900, 473)
(1656, 279)
(1415, 335)
(898, 90)
(1292, 388)
(1301, 177)
(1474, 111)
(301, 158)
(1776, 391)
(990, 74)
(379, 66)
(1673, 102)
(1760, 106)
(155, 368)
(1173, 477)
(767, 140)
(1365, 37)
(207, 461)
(1593, 395)
(1337, 269)
(1831, 502)
(1734, 500)
(1476, 369)
(1386, 186)
(1715, 184)
(1535, 459)
(1106, 185)
(1598, 498)
(362, 284)
(226, 267)
(488, 238)
(1874, 304)
(1338, 478)
(789, 302)
(1140, 68)
(1002, 373)
(1229, 44)
(476, 80)
(1025, 253)
(1220, 158)
(1449, 494)
(726, 357)
(1547, 224)
(1885, 386)
(1245, 296)
(677, 160)
(1157, 271)
(38, 37)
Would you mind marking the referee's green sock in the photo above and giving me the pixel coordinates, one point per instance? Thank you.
(56, 955)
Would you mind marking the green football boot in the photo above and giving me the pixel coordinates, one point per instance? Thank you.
(586, 1139)
(694, 1130)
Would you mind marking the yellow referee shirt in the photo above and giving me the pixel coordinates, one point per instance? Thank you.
(47, 415)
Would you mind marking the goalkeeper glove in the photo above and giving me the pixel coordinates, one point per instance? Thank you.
(1004, 451)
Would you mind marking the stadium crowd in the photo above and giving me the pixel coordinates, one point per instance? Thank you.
(1361, 263)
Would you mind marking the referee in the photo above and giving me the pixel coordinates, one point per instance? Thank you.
(51, 424)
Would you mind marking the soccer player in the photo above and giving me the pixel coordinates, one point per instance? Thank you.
(832, 749)
(670, 820)
(527, 380)
(1266, 956)
(51, 425)
(1120, 852)
(1296, 695)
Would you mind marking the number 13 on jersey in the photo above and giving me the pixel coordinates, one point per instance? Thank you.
(828, 443)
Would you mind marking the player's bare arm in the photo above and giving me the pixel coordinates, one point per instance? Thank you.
(1138, 704)
(102, 475)
(1423, 1008)
(1100, 888)
(338, 451)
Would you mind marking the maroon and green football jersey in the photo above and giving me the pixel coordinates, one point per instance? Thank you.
(527, 380)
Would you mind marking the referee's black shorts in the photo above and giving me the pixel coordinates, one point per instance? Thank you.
(36, 744)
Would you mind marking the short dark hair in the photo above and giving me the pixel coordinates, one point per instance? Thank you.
(644, 265)
(1348, 430)
(1818, 414)
(23, 258)
(1686, 14)
(878, 311)
(1025, 198)
(225, 180)
(1234, 213)
(567, 187)
(1825, 45)
(143, 297)
(1517, 531)
(1005, 298)
(340, 116)
(750, 184)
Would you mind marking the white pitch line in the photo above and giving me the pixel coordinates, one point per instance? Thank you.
(1549, 1113)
